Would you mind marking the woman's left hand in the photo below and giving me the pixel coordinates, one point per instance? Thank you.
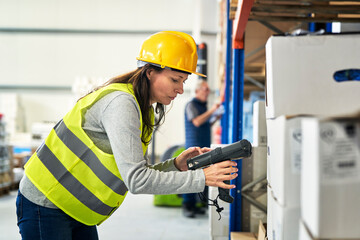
(180, 161)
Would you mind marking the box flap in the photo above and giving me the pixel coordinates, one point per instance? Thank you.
(242, 236)
(262, 231)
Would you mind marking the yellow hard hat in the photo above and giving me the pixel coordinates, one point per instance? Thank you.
(176, 50)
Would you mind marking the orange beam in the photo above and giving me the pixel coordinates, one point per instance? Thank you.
(240, 21)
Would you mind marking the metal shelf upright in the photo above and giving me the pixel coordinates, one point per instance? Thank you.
(238, 65)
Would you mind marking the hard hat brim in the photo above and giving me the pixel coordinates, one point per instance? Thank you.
(171, 67)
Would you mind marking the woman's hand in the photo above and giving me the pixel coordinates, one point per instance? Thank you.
(180, 161)
(216, 174)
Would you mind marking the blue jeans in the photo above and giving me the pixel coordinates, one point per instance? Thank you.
(190, 199)
(37, 222)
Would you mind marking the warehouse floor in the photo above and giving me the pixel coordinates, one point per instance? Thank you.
(137, 218)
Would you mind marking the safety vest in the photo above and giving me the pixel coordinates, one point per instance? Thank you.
(73, 173)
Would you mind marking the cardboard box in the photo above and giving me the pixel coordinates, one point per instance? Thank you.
(269, 228)
(268, 170)
(284, 159)
(285, 221)
(304, 232)
(330, 178)
(262, 231)
(300, 70)
(219, 229)
(261, 234)
(242, 236)
(259, 124)
(248, 114)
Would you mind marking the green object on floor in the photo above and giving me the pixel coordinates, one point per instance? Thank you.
(170, 200)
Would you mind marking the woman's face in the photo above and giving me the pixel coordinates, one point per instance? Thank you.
(165, 85)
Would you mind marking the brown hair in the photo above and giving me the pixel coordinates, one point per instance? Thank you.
(141, 86)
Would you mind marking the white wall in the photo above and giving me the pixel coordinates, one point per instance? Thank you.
(57, 55)
(99, 14)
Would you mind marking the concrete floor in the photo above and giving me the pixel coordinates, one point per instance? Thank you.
(136, 219)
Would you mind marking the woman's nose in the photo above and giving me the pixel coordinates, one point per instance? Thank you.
(180, 90)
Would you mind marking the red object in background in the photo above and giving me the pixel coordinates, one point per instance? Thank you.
(217, 134)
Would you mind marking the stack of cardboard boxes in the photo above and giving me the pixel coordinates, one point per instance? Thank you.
(5, 163)
(313, 143)
(284, 159)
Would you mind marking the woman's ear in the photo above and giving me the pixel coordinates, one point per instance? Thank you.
(149, 73)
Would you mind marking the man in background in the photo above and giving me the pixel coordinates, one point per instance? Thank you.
(197, 133)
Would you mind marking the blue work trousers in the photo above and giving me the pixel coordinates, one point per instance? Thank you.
(39, 223)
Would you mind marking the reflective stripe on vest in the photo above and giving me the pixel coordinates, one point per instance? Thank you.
(66, 179)
(89, 158)
(73, 173)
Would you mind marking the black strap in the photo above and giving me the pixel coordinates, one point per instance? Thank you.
(213, 203)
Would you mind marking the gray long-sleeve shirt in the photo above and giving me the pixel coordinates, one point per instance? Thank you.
(113, 124)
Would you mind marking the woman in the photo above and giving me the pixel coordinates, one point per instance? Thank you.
(80, 175)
